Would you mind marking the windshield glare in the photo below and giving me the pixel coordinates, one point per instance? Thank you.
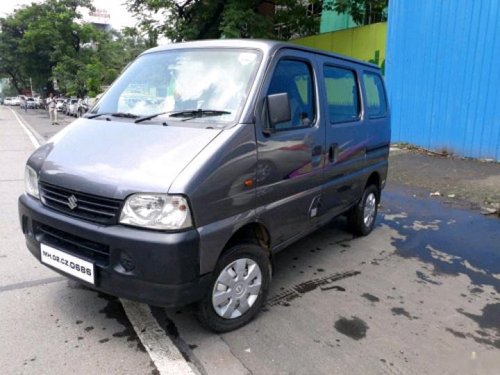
(179, 80)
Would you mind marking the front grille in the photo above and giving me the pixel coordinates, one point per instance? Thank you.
(94, 251)
(85, 206)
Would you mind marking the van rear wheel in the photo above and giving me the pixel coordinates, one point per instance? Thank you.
(239, 289)
(361, 218)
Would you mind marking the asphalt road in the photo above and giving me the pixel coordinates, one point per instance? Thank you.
(420, 295)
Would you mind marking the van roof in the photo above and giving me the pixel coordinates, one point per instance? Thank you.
(267, 46)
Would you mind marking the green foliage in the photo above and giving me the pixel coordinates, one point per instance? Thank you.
(295, 18)
(46, 41)
(363, 12)
(213, 19)
(240, 20)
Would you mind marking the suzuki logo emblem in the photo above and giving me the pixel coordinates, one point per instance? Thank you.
(72, 202)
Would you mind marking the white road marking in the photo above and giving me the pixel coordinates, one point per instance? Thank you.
(30, 132)
(163, 352)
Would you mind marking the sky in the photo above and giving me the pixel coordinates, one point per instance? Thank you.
(118, 12)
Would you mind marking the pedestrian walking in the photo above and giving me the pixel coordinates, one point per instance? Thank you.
(24, 103)
(51, 103)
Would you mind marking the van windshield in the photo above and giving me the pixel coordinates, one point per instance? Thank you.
(215, 81)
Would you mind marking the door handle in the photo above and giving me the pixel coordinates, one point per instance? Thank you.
(333, 151)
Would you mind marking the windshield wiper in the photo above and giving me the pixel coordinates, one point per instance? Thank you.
(149, 117)
(114, 114)
(189, 114)
(195, 113)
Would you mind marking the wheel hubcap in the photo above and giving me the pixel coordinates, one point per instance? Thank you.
(369, 210)
(237, 288)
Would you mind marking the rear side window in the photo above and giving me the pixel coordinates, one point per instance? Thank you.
(295, 78)
(341, 94)
(375, 95)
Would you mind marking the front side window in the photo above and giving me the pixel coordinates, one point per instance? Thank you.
(341, 94)
(295, 78)
(375, 95)
(208, 79)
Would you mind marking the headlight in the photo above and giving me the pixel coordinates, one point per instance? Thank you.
(156, 211)
(31, 182)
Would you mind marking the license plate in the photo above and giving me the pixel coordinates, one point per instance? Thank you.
(68, 263)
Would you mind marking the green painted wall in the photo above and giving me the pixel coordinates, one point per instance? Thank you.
(333, 21)
(366, 43)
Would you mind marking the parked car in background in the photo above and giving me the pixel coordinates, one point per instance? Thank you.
(84, 105)
(16, 100)
(59, 104)
(7, 101)
(11, 101)
(30, 103)
(71, 107)
(38, 102)
(65, 106)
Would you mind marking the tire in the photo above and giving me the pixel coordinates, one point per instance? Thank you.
(361, 218)
(252, 261)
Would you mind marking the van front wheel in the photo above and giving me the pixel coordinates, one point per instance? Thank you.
(238, 290)
(362, 217)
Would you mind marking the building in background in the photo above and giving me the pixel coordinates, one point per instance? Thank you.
(99, 17)
(441, 60)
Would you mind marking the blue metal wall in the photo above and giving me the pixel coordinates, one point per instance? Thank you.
(443, 74)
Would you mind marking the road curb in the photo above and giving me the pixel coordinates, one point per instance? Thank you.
(163, 352)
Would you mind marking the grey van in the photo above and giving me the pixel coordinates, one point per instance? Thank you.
(200, 163)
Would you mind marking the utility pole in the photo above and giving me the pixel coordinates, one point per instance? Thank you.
(31, 86)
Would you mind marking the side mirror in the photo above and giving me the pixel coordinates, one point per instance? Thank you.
(278, 107)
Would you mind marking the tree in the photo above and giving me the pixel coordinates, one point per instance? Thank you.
(363, 12)
(98, 62)
(35, 37)
(46, 41)
(183, 20)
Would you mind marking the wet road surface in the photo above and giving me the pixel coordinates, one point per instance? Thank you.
(421, 294)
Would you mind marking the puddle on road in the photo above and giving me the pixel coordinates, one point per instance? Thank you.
(452, 240)
(423, 278)
(114, 310)
(403, 312)
(489, 319)
(483, 338)
(370, 297)
(354, 328)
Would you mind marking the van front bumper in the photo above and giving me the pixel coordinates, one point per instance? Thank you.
(158, 268)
